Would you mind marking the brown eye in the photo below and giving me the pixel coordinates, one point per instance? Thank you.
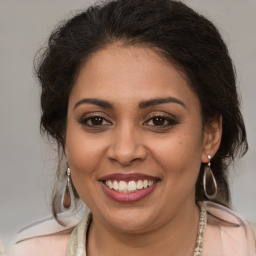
(158, 121)
(97, 120)
(161, 122)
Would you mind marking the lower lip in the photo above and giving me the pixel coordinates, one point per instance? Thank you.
(128, 197)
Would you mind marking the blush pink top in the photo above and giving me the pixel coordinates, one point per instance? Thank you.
(226, 234)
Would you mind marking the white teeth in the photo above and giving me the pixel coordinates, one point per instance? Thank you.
(145, 183)
(115, 185)
(109, 184)
(132, 186)
(140, 184)
(122, 186)
(129, 187)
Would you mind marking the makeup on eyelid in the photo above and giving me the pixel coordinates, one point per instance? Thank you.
(154, 119)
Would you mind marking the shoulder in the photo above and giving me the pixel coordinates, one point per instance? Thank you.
(40, 246)
(231, 233)
(223, 216)
(2, 249)
(253, 227)
(46, 237)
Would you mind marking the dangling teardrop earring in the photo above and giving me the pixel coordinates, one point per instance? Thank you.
(67, 197)
(209, 178)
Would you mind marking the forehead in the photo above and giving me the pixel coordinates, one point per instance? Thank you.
(130, 73)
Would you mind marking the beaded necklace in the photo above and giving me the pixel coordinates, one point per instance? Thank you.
(200, 232)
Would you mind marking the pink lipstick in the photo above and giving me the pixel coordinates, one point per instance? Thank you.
(127, 188)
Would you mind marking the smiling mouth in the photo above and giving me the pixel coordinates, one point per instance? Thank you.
(132, 186)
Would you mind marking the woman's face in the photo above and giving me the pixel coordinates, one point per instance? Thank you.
(134, 138)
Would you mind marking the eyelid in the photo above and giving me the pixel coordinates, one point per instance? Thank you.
(168, 117)
(160, 114)
(87, 116)
(97, 113)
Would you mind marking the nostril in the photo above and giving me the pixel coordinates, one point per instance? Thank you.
(126, 154)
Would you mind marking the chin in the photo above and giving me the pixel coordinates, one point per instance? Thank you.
(131, 220)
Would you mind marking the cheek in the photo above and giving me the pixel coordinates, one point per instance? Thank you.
(180, 156)
(83, 155)
(83, 152)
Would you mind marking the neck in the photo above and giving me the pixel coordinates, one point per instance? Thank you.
(176, 237)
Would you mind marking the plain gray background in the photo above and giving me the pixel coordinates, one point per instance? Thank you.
(27, 162)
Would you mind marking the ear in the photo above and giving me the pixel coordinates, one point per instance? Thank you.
(212, 138)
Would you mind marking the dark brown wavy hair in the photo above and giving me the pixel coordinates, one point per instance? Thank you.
(174, 31)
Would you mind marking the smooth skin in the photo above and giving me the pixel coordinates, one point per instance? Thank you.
(124, 129)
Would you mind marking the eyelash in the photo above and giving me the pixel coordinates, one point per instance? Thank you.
(84, 121)
(170, 121)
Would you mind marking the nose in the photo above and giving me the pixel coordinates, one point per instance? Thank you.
(127, 146)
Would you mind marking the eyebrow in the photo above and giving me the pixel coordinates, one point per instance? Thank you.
(142, 104)
(98, 102)
(157, 101)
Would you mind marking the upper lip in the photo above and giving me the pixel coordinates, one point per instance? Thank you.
(128, 177)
